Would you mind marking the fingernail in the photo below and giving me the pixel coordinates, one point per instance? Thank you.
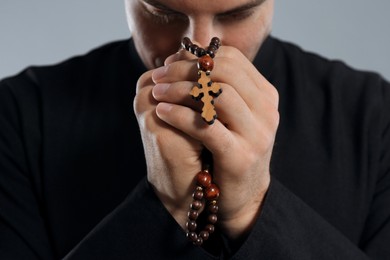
(163, 109)
(159, 73)
(160, 89)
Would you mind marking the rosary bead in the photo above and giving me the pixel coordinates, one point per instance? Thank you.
(204, 179)
(213, 208)
(194, 48)
(193, 214)
(186, 43)
(204, 235)
(205, 63)
(198, 241)
(216, 42)
(191, 225)
(198, 194)
(210, 53)
(212, 218)
(211, 50)
(210, 228)
(192, 236)
(200, 52)
(196, 204)
(212, 192)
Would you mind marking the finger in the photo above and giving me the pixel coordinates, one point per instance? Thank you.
(144, 80)
(230, 107)
(232, 110)
(176, 71)
(249, 83)
(143, 99)
(180, 55)
(215, 137)
(176, 93)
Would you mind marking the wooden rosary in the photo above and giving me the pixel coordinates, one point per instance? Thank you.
(205, 90)
(205, 196)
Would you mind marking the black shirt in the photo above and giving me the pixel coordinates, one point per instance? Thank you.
(72, 167)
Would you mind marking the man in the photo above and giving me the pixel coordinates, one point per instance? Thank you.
(74, 157)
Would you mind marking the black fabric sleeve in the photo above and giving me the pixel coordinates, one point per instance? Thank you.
(289, 229)
(376, 237)
(140, 228)
(22, 227)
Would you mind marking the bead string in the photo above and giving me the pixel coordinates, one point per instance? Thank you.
(211, 50)
(205, 194)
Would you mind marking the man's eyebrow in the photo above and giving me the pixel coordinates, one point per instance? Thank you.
(243, 8)
(157, 4)
(238, 9)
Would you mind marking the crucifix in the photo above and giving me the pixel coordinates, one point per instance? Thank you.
(206, 90)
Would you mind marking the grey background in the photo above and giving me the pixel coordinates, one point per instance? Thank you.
(48, 31)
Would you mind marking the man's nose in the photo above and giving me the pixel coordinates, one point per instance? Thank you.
(201, 31)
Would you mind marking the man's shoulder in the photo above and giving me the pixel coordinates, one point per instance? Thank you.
(74, 67)
(303, 70)
(313, 65)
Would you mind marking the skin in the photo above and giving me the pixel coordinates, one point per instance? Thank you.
(158, 26)
(172, 131)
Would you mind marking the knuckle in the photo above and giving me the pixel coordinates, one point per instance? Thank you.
(225, 141)
(181, 70)
(230, 52)
(143, 101)
(146, 121)
(144, 80)
(186, 55)
(274, 95)
(161, 140)
(274, 118)
(137, 105)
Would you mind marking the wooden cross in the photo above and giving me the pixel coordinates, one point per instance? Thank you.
(206, 90)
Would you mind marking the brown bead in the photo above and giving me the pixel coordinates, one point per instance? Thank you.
(198, 241)
(186, 43)
(193, 214)
(194, 48)
(192, 236)
(204, 235)
(196, 204)
(200, 52)
(205, 63)
(191, 225)
(210, 53)
(216, 42)
(209, 228)
(204, 179)
(211, 50)
(198, 195)
(212, 192)
(213, 208)
(212, 218)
